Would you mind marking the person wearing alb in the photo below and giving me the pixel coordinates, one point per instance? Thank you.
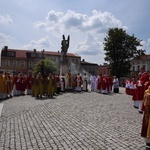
(110, 83)
(58, 84)
(28, 80)
(92, 81)
(50, 85)
(85, 82)
(78, 80)
(68, 80)
(116, 85)
(140, 89)
(62, 82)
(104, 85)
(99, 83)
(132, 86)
(40, 85)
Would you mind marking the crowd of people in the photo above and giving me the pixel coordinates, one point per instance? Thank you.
(38, 86)
(139, 89)
(33, 84)
(104, 84)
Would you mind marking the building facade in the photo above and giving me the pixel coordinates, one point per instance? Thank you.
(90, 68)
(143, 61)
(136, 64)
(23, 61)
(104, 69)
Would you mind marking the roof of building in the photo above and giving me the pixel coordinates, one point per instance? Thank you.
(20, 53)
(59, 53)
(143, 57)
(83, 62)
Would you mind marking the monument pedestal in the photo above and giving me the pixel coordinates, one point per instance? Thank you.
(64, 68)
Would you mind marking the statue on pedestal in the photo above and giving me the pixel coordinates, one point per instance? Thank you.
(64, 49)
(64, 64)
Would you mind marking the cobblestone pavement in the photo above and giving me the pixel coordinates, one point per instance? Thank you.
(71, 121)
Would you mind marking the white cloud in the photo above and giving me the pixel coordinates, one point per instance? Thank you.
(40, 25)
(42, 43)
(5, 20)
(100, 22)
(81, 24)
(146, 45)
(87, 31)
(5, 38)
(74, 20)
(97, 22)
(54, 17)
(148, 42)
(91, 46)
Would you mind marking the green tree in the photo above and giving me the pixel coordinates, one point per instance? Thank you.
(120, 48)
(45, 67)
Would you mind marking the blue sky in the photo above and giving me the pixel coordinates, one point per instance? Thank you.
(40, 24)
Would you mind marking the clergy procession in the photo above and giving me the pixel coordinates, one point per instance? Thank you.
(139, 89)
(38, 86)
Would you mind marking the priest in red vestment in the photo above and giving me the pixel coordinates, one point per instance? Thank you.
(139, 91)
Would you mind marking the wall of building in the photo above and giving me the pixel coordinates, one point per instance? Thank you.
(30, 58)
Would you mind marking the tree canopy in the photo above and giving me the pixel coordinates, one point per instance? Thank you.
(45, 67)
(120, 48)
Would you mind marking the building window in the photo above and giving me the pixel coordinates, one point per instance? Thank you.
(77, 61)
(32, 54)
(14, 62)
(30, 64)
(7, 62)
(22, 64)
(10, 54)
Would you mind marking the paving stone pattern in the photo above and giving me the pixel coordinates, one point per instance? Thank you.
(71, 121)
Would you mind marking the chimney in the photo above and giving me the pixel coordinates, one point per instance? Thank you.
(5, 48)
(34, 50)
(83, 60)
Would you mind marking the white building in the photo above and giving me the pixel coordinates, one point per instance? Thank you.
(143, 61)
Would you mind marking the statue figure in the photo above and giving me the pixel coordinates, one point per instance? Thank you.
(64, 48)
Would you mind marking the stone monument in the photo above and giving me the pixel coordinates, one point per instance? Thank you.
(64, 64)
